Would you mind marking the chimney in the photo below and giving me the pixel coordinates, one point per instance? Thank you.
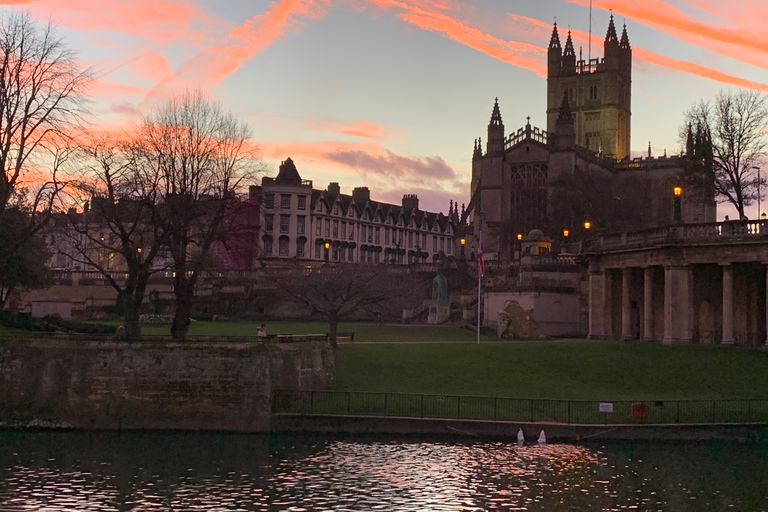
(410, 202)
(333, 188)
(361, 194)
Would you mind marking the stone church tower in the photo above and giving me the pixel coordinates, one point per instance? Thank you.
(598, 91)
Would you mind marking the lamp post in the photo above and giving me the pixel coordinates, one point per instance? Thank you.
(327, 250)
(678, 191)
(463, 245)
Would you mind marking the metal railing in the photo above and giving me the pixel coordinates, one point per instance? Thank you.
(583, 412)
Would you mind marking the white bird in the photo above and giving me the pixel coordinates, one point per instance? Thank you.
(520, 437)
(542, 438)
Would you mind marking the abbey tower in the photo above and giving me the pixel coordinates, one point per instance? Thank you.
(598, 92)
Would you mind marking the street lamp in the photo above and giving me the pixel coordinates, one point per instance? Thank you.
(587, 225)
(519, 236)
(463, 244)
(327, 250)
(678, 191)
(565, 233)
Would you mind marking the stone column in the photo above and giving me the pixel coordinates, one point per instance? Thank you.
(648, 304)
(596, 305)
(676, 305)
(626, 311)
(727, 305)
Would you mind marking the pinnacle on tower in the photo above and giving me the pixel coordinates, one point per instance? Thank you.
(610, 36)
(496, 114)
(554, 41)
(569, 51)
(624, 43)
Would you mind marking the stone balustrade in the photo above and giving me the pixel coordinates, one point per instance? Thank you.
(682, 233)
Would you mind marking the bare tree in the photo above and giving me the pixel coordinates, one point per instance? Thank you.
(23, 266)
(733, 133)
(121, 220)
(201, 158)
(42, 102)
(337, 292)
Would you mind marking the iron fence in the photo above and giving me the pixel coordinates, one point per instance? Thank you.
(653, 412)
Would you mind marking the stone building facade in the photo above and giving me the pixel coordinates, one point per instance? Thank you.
(303, 223)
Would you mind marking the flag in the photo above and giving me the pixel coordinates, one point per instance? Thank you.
(480, 263)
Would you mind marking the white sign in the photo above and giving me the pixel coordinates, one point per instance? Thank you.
(606, 407)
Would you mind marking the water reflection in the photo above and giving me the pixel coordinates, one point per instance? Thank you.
(55, 472)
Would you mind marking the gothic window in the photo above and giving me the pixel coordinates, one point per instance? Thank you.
(529, 198)
(592, 131)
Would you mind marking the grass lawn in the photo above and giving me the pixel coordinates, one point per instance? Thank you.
(363, 331)
(550, 369)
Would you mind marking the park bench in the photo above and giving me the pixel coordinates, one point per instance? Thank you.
(340, 335)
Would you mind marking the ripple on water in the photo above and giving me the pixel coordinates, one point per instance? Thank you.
(60, 472)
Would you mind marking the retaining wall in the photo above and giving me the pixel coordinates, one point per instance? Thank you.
(153, 385)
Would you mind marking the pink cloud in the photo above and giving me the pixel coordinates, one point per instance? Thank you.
(534, 27)
(242, 43)
(658, 13)
(519, 54)
(362, 129)
(392, 164)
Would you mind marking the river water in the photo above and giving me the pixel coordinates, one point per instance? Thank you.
(66, 471)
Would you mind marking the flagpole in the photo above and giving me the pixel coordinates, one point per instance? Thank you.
(479, 284)
(480, 271)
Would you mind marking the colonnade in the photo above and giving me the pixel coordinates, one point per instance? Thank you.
(679, 303)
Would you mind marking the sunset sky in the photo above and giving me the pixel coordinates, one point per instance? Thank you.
(389, 93)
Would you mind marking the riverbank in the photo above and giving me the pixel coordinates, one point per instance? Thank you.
(507, 430)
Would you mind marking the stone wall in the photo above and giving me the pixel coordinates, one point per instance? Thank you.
(154, 385)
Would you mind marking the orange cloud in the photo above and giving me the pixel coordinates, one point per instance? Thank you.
(534, 26)
(153, 20)
(211, 67)
(519, 54)
(362, 129)
(656, 12)
(696, 69)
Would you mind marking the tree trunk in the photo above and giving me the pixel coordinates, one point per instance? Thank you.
(131, 319)
(183, 290)
(332, 329)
